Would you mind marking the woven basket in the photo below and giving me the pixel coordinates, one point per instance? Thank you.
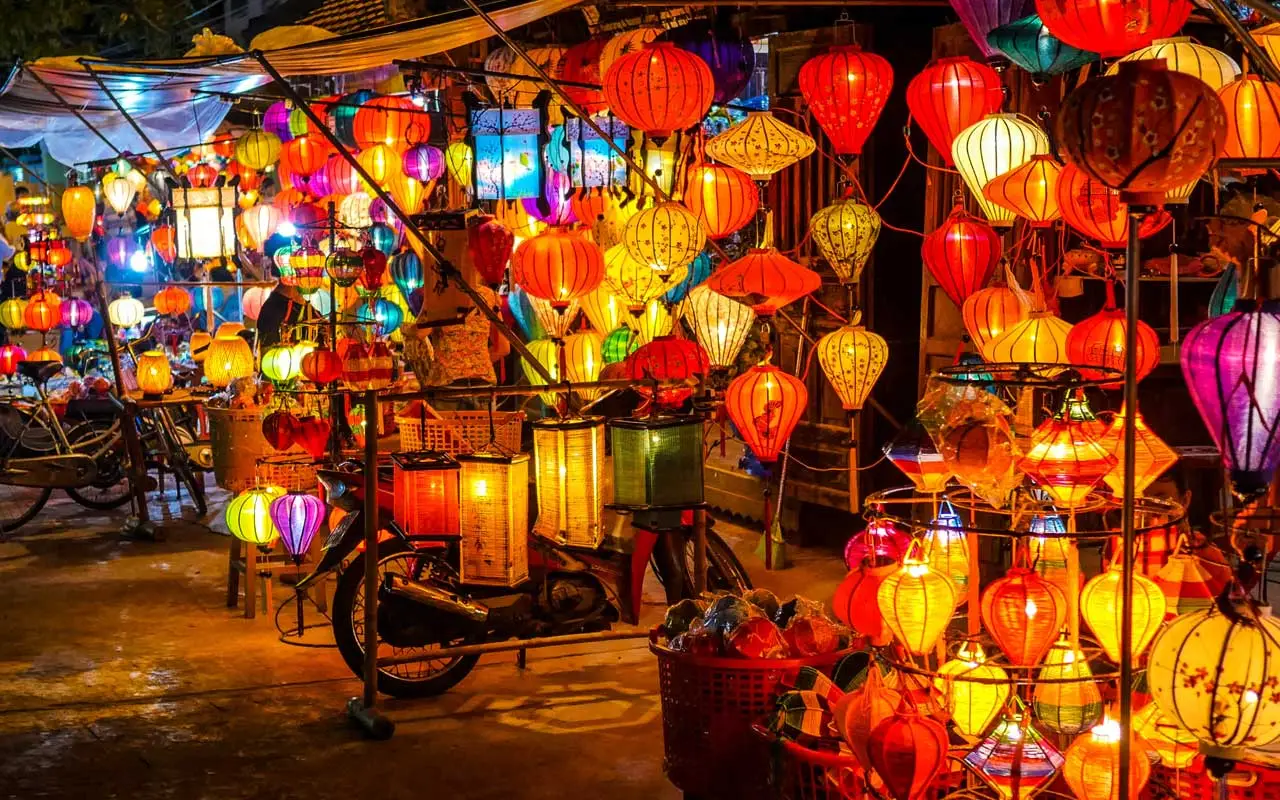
(235, 437)
(460, 432)
(293, 470)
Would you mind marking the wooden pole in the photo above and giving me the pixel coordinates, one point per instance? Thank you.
(700, 551)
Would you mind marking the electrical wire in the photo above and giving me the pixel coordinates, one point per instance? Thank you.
(292, 636)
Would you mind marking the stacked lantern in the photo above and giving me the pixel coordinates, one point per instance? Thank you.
(493, 518)
(657, 462)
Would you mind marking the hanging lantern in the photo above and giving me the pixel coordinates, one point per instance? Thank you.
(390, 121)
(321, 366)
(913, 451)
(154, 375)
(572, 489)
(581, 64)
(765, 404)
(856, 604)
(632, 281)
(618, 345)
(846, 90)
(557, 266)
(1173, 745)
(205, 222)
(297, 517)
(961, 254)
(917, 603)
(765, 280)
(42, 312)
(1027, 43)
(1039, 339)
(852, 358)
(249, 515)
(1100, 604)
(341, 115)
(722, 198)
(1023, 612)
(1063, 458)
(1184, 128)
(1015, 759)
(493, 518)
(949, 95)
(947, 550)
(761, 145)
(344, 267)
(45, 354)
(975, 691)
(279, 365)
(720, 324)
(424, 163)
(1253, 118)
(407, 274)
(74, 312)
(583, 360)
(491, 244)
(908, 751)
(1186, 585)
(625, 43)
(381, 162)
(1113, 28)
(125, 312)
(117, 192)
(665, 237)
(654, 321)
(548, 355)
(991, 147)
(696, 275)
(657, 462)
(1096, 212)
(79, 210)
(1099, 340)
(667, 358)
(460, 160)
(373, 268)
(881, 542)
(603, 308)
(11, 355)
(227, 358)
(258, 149)
(341, 176)
(172, 301)
(1151, 455)
(845, 232)
(165, 242)
(1030, 191)
(305, 155)
(546, 319)
(1214, 67)
(426, 493)
(1066, 700)
(724, 48)
(1093, 763)
(13, 313)
(660, 89)
(383, 315)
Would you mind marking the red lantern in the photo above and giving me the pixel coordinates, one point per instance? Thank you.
(305, 154)
(667, 358)
(765, 404)
(950, 95)
(342, 177)
(355, 364)
(391, 121)
(1064, 458)
(164, 242)
(1096, 211)
(1098, 341)
(381, 366)
(1112, 27)
(723, 199)
(490, 243)
(660, 89)
(855, 601)
(908, 752)
(313, 435)
(846, 90)
(250, 179)
(202, 175)
(321, 366)
(58, 255)
(961, 254)
(558, 266)
(1182, 127)
(581, 64)
(764, 279)
(11, 355)
(43, 312)
(374, 268)
(171, 301)
(1023, 612)
(280, 429)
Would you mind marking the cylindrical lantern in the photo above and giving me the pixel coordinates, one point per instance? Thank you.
(297, 517)
(846, 90)
(154, 375)
(1093, 764)
(951, 94)
(845, 232)
(720, 324)
(961, 254)
(665, 237)
(1039, 339)
(79, 209)
(917, 604)
(765, 404)
(723, 199)
(991, 147)
(761, 145)
(125, 312)
(973, 689)
(249, 515)
(493, 518)
(1100, 603)
(1023, 612)
(1030, 191)
(659, 89)
(1068, 701)
(765, 280)
(227, 358)
(1113, 27)
(426, 492)
(852, 358)
(572, 486)
(558, 266)
(657, 462)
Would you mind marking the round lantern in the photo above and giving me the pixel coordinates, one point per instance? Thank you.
(1030, 191)
(383, 315)
(252, 300)
(202, 176)
(490, 244)
(961, 254)
(341, 175)
(632, 281)
(725, 49)
(297, 517)
(381, 162)
(305, 155)
(845, 232)
(1027, 43)
(1253, 118)
(1063, 458)
(1039, 339)
(45, 354)
(722, 198)
(1101, 600)
(908, 751)
(667, 358)
(354, 210)
(659, 90)
(13, 313)
(618, 345)
(423, 162)
(949, 95)
(581, 64)
(720, 324)
(991, 147)
(846, 90)
(1095, 211)
(258, 149)
(321, 366)
(125, 312)
(227, 358)
(973, 689)
(172, 301)
(765, 280)
(279, 364)
(11, 355)
(276, 120)
(1184, 128)
(154, 375)
(1068, 701)
(1093, 762)
(249, 515)
(79, 209)
(1151, 455)
(990, 312)
(625, 43)
(1214, 67)
(761, 145)
(917, 604)
(1023, 612)
(765, 404)
(460, 160)
(74, 312)
(42, 312)
(668, 236)
(390, 121)
(1099, 341)
(260, 222)
(558, 266)
(852, 358)
(1113, 28)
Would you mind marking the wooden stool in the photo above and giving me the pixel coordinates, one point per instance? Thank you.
(251, 562)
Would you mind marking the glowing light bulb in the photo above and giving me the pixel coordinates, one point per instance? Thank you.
(287, 229)
(480, 489)
(1031, 608)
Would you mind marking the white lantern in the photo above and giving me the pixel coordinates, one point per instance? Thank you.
(205, 222)
(125, 312)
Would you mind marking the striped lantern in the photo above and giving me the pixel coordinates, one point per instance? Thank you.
(908, 751)
(390, 121)
(1068, 702)
(1253, 118)
(632, 281)
(1030, 191)
(722, 198)
(845, 232)
(1023, 612)
(569, 456)
(917, 603)
(719, 323)
(1151, 455)
(669, 236)
(765, 280)
(1113, 27)
(1028, 44)
(1041, 338)
(558, 266)
(761, 145)
(1015, 759)
(493, 519)
(548, 355)
(991, 147)
(297, 516)
(949, 95)
(583, 360)
(947, 549)
(980, 17)
(765, 404)
(248, 515)
(626, 43)
(1186, 585)
(1213, 67)
(258, 149)
(961, 254)
(846, 89)
(1093, 763)
(1064, 459)
(1095, 211)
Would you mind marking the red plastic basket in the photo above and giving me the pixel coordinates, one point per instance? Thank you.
(708, 708)
(1244, 782)
(815, 775)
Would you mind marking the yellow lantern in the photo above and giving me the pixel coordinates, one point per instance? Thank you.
(721, 324)
(118, 192)
(354, 210)
(1040, 338)
(460, 162)
(633, 281)
(13, 313)
(548, 355)
(79, 207)
(249, 515)
(409, 194)
(1067, 702)
(653, 322)
(1150, 454)
(493, 519)
(1092, 766)
(975, 691)
(280, 364)
(659, 162)
(665, 238)
(761, 145)
(227, 359)
(1172, 744)
(199, 346)
(604, 309)
(557, 324)
(1211, 66)
(259, 223)
(991, 147)
(947, 549)
(205, 222)
(125, 312)
(583, 360)
(1101, 601)
(258, 149)
(22, 261)
(917, 604)
(845, 232)
(155, 377)
(228, 329)
(381, 162)
(852, 358)
(572, 486)
(625, 43)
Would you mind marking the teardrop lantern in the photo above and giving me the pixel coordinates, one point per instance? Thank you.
(961, 254)
(975, 690)
(79, 210)
(1093, 764)
(852, 358)
(846, 89)
(1101, 600)
(845, 232)
(991, 147)
(1068, 701)
(765, 404)
(949, 95)
(1023, 612)
(490, 244)
(1099, 341)
(908, 751)
(917, 603)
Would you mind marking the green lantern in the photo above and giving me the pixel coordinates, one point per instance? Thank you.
(280, 364)
(1028, 43)
(620, 344)
(657, 462)
(1225, 293)
(342, 115)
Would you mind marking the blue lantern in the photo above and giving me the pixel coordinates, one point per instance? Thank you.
(558, 150)
(507, 162)
(698, 272)
(1028, 43)
(384, 238)
(522, 311)
(384, 315)
(406, 271)
(1225, 293)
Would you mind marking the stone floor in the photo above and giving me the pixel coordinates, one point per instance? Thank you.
(123, 675)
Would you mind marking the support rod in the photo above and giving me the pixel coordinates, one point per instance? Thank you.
(514, 644)
(1261, 61)
(370, 550)
(18, 162)
(74, 111)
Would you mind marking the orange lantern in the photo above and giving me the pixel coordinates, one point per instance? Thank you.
(1023, 612)
(79, 208)
(201, 176)
(765, 280)
(846, 90)
(1092, 765)
(660, 89)
(1112, 27)
(164, 242)
(989, 313)
(1030, 191)
(390, 121)
(723, 199)
(250, 180)
(917, 603)
(43, 312)
(765, 404)
(321, 366)
(1151, 455)
(172, 301)
(908, 752)
(961, 254)
(1253, 118)
(1096, 211)
(1064, 458)
(949, 95)
(305, 155)
(558, 266)
(1099, 341)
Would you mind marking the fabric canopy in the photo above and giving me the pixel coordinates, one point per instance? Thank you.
(175, 100)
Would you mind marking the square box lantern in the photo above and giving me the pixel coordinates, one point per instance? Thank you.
(493, 518)
(657, 463)
(592, 162)
(426, 492)
(508, 157)
(573, 485)
(205, 218)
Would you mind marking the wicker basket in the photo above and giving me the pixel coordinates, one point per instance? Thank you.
(460, 432)
(235, 437)
(293, 470)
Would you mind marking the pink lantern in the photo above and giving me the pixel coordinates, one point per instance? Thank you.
(75, 312)
(423, 162)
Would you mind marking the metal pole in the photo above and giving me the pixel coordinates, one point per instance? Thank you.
(1261, 61)
(34, 173)
(74, 111)
(699, 550)
(335, 402)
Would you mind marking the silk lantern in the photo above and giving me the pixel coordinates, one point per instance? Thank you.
(1214, 67)
(719, 323)
(490, 244)
(548, 355)
(390, 121)
(852, 358)
(722, 198)
(845, 232)
(765, 280)
(1184, 128)
(1039, 339)
(625, 43)
(846, 89)
(117, 192)
(603, 308)
(667, 358)
(426, 492)
(657, 462)
(1015, 759)
(305, 155)
(765, 404)
(172, 301)
(1029, 44)
(660, 89)
(581, 64)
(460, 159)
(125, 312)
(260, 222)
(1151, 455)
(1186, 584)
(855, 601)
(321, 366)
(153, 373)
(79, 211)
(1095, 211)
(74, 312)
(1253, 118)
(947, 549)
(1111, 27)
(949, 95)
(908, 751)
(881, 542)
(422, 162)
(991, 147)
(618, 345)
(696, 275)
(569, 458)
(1030, 191)
(1023, 612)
(258, 149)
(1100, 604)
(761, 145)
(227, 359)
(917, 603)
(633, 281)
(961, 254)
(558, 266)
(45, 354)
(297, 517)
(1172, 744)
(975, 690)
(1093, 764)
(248, 515)
(42, 312)
(382, 163)
(1067, 702)
(665, 237)
(583, 360)
(11, 355)
(279, 365)
(724, 48)
(1099, 341)
(198, 345)
(13, 313)
(1064, 459)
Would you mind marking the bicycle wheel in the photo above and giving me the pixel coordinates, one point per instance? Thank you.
(20, 504)
(110, 490)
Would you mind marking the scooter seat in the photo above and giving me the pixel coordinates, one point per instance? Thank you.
(39, 371)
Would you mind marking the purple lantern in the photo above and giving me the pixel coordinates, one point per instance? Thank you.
(119, 250)
(276, 121)
(318, 184)
(423, 162)
(981, 17)
(555, 200)
(297, 516)
(882, 542)
(1232, 367)
(75, 312)
(378, 212)
(727, 51)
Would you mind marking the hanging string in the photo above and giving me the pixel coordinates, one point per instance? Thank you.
(911, 153)
(906, 163)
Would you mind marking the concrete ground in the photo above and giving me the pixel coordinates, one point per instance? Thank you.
(124, 675)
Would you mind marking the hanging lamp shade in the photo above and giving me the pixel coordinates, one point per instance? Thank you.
(423, 162)
(569, 468)
(667, 358)
(1064, 458)
(989, 313)
(248, 515)
(1214, 67)
(657, 461)
(1067, 701)
(558, 266)
(11, 355)
(947, 550)
(719, 323)
(913, 452)
(1023, 612)
(43, 311)
(659, 89)
(723, 199)
(172, 301)
(1093, 764)
(390, 121)
(297, 517)
(75, 313)
(1253, 118)
(1099, 341)
(625, 43)
(1015, 759)
(633, 281)
(852, 358)
(1029, 44)
(426, 492)
(1101, 600)
(881, 542)
(227, 358)
(1029, 191)
(765, 404)
(13, 313)
(79, 210)
(917, 603)
(604, 309)
(407, 273)
(1151, 455)
(1096, 212)
(974, 690)
(583, 360)
(908, 750)
(980, 17)
(961, 254)
(846, 90)
(1039, 339)
(259, 223)
(126, 312)
(845, 232)
(1113, 28)
(257, 149)
(490, 244)
(761, 145)
(765, 280)
(305, 155)
(949, 95)
(1228, 363)
(668, 236)
(1183, 130)
(991, 147)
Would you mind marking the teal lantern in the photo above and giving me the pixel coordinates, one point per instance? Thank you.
(558, 150)
(407, 274)
(657, 462)
(342, 115)
(698, 272)
(1028, 43)
(1225, 293)
(620, 344)
(384, 238)
(522, 311)
(384, 315)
